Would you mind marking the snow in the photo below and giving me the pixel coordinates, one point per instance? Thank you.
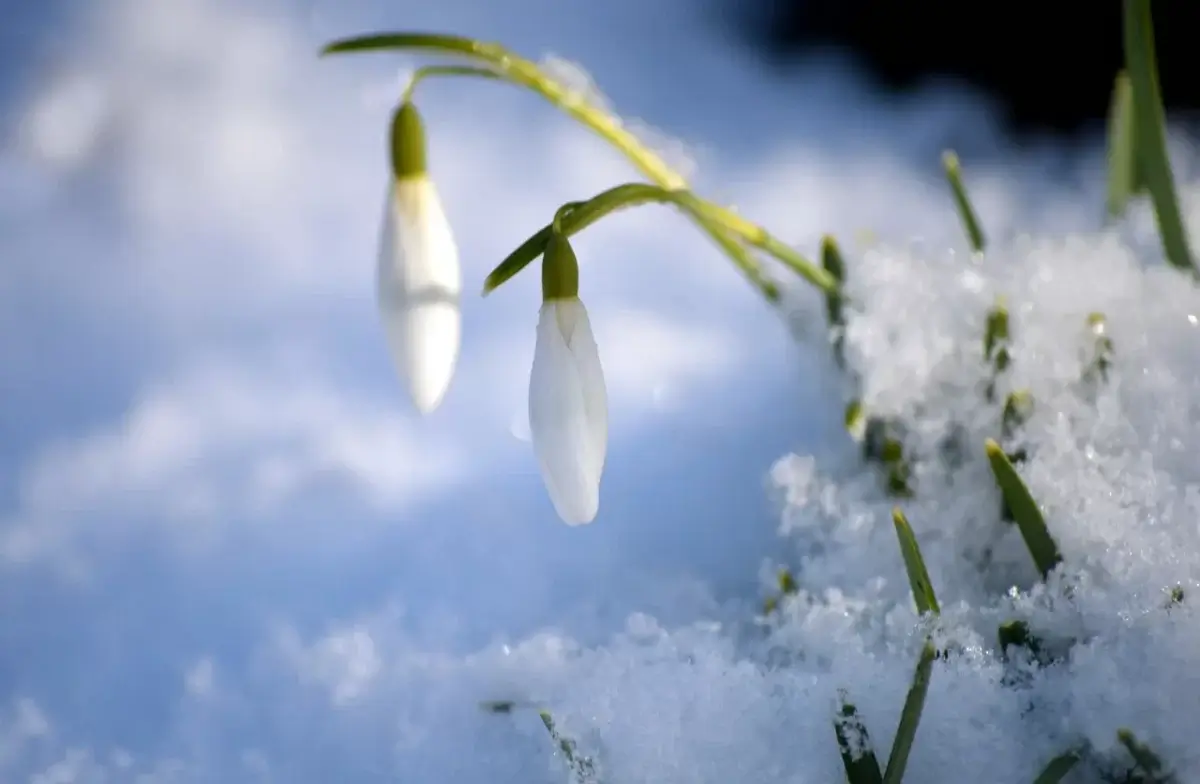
(228, 552)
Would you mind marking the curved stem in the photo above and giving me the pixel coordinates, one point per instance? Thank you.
(527, 74)
(576, 216)
(426, 71)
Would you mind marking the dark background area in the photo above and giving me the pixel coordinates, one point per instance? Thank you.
(1049, 65)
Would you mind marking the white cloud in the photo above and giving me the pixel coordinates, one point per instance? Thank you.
(201, 678)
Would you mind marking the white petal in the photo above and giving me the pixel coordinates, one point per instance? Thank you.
(577, 328)
(568, 411)
(418, 287)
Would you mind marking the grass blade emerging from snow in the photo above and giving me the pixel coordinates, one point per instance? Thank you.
(910, 717)
(1153, 163)
(1057, 768)
(965, 211)
(1123, 183)
(1024, 510)
(854, 744)
(914, 564)
(832, 262)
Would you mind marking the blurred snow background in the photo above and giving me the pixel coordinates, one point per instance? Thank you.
(230, 553)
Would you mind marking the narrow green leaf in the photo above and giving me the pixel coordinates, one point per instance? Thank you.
(914, 564)
(831, 261)
(1153, 161)
(1122, 150)
(1024, 509)
(430, 42)
(1057, 768)
(910, 717)
(965, 211)
(854, 744)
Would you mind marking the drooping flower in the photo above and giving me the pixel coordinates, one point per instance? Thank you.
(568, 403)
(418, 281)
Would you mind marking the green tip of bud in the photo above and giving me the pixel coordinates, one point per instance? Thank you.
(560, 269)
(407, 142)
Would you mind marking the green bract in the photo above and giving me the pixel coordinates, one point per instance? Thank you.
(560, 269)
(407, 143)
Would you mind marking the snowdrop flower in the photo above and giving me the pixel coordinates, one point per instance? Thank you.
(568, 404)
(418, 277)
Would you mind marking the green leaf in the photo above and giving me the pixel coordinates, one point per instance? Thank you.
(1057, 768)
(914, 564)
(431, 42)
(831, 261)
(965, 211)
(854, 744)
(1122, 149)
(910, 717)
(1153, 161)
(1025, 510)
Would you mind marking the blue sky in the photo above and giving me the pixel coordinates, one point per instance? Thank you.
(228, 549)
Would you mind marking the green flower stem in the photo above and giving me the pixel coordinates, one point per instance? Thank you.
(508, 66)
(1150, 137)
(577, 216)
(426, 71)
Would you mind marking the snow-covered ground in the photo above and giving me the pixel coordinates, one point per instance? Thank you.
(229, 552)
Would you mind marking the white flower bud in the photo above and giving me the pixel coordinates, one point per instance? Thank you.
(418, 286)
(568, 409)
